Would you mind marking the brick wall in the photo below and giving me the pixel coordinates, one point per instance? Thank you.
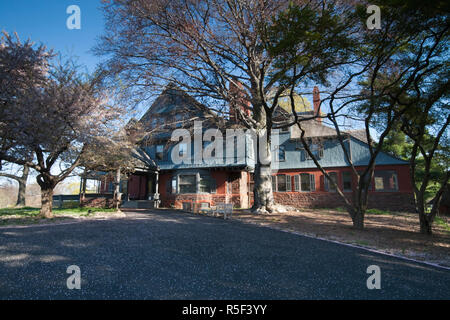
(392, 201)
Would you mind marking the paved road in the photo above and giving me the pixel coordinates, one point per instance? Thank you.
(171, 255)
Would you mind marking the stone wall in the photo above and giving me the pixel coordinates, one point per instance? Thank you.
(99, 202)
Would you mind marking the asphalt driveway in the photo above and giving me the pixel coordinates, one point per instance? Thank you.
(173, 255)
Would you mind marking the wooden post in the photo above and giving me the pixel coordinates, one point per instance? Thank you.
(156, 197)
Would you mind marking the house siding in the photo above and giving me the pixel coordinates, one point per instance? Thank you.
(400, 200)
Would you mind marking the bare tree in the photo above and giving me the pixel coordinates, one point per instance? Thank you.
(209, 48)
(21, 176)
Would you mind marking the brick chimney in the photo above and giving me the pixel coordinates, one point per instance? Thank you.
(238, 100)
(316, 101)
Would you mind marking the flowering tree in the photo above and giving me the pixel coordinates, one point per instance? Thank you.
(55, 117)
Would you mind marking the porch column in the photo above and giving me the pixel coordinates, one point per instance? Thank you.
(156, 196)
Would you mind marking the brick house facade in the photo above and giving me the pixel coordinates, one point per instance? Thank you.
(296, 180)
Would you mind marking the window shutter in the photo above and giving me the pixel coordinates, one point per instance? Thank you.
(297, 183)
(288, 183)
(274, 183)
(313, 182)
(213, 185)
(325, 183)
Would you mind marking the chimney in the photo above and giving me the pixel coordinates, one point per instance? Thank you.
(316, 102)
(238, 100)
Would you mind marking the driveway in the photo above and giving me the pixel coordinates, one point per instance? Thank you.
(172, 255)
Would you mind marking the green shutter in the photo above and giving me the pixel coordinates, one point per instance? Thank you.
(297, 183)
(313, 182)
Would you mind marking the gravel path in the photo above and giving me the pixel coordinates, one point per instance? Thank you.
(172, 255)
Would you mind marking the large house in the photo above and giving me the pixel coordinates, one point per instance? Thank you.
(296, 179)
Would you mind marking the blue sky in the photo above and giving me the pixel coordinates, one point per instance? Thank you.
(45, 21)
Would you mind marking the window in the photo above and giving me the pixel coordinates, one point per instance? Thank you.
(173, 185)
(347, 181)
(385, 181)
(160, 152)
(283, 183)
(307, 182)
(284, 130)
(281, 153)
(154, 122)
(178, 122)
(328, 185)
(187, 184)
(206, 184)
(316, 150)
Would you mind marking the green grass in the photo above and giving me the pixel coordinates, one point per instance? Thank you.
(379, 212)
(442, 223)
(29, 212)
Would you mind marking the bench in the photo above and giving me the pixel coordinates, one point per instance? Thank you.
(224, 208)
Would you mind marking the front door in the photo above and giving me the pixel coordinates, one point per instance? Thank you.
(137, 187)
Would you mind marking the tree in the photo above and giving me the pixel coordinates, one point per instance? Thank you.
(51, 123)
(118, 153)
(209, 48)
(21, 180)
(386, 66)
(427, 127)
(22, 66)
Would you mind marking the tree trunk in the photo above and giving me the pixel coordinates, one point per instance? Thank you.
(263, 193)
(358, 220)
(117, 197)
(22, 186)
(425, 221)
(425, 226)
(46, 202)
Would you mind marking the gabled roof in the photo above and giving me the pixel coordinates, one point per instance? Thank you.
(175, 101)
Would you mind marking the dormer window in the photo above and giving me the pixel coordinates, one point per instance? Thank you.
(160, 152)
(178, 120)
(316, 150)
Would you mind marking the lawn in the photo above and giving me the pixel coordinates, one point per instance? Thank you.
(30, 215)
(396, 233)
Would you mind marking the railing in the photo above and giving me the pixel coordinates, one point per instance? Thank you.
(58, 200)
